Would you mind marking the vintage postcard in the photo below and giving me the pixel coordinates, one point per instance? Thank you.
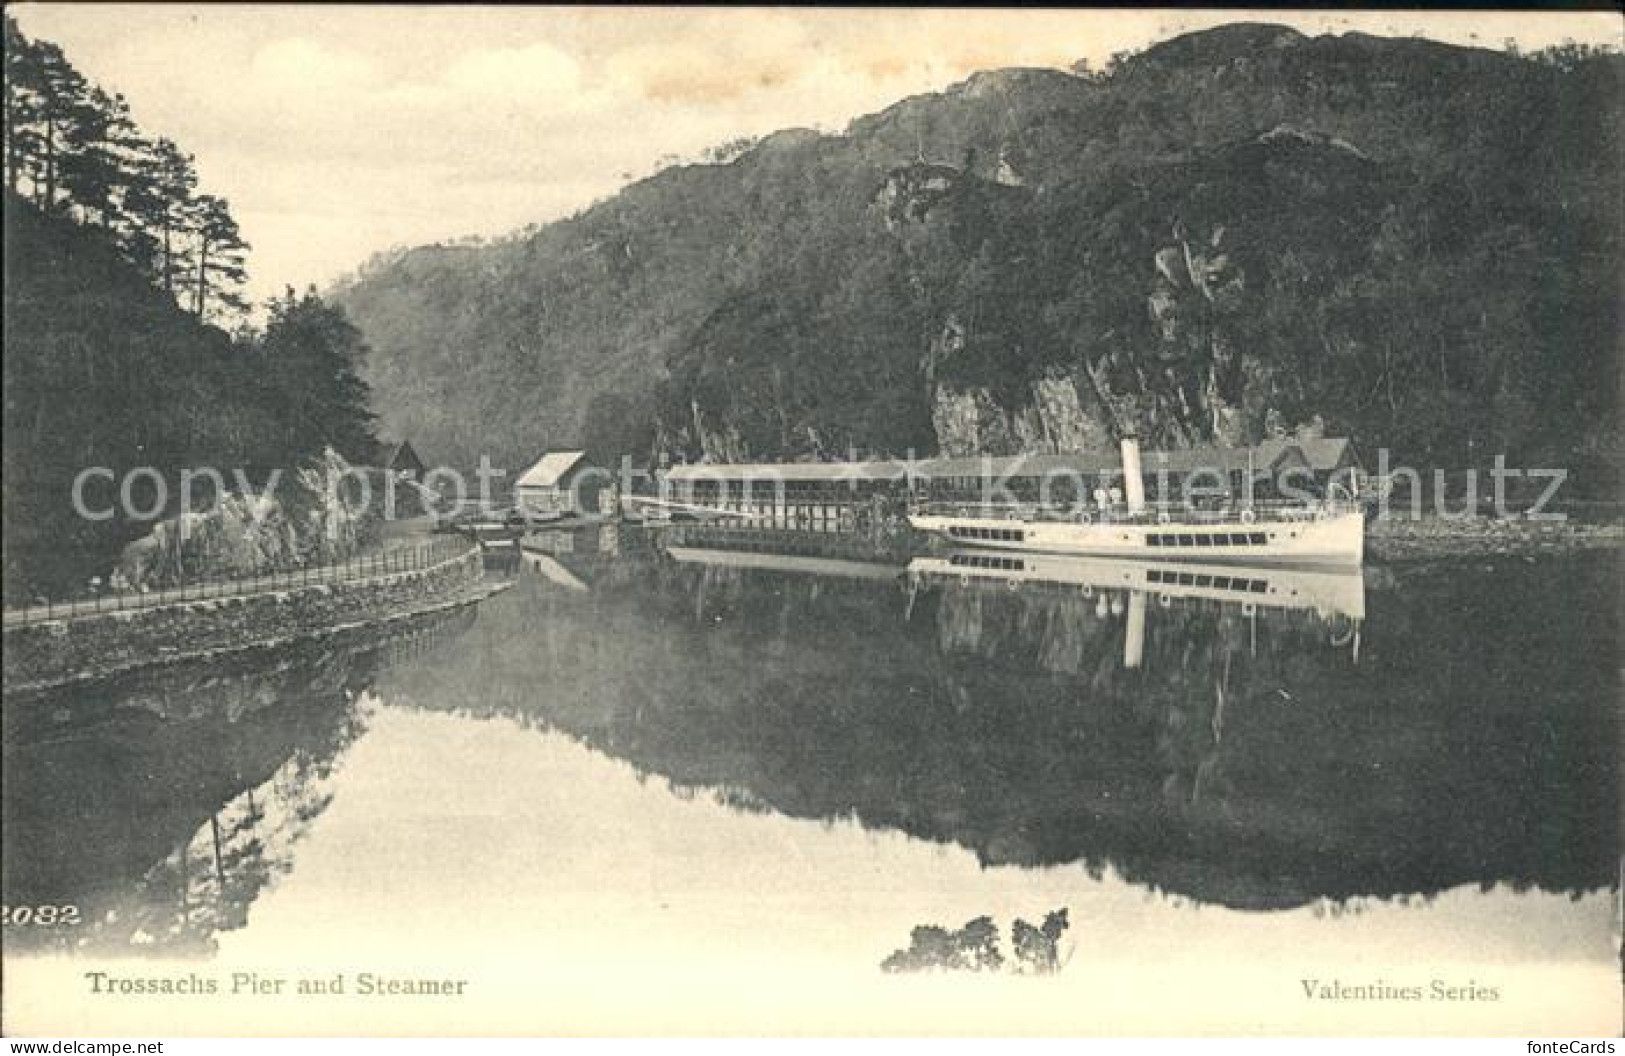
(759, 521)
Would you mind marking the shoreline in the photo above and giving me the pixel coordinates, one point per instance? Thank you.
(472, 595)
(1437, 537)
(1387, 542)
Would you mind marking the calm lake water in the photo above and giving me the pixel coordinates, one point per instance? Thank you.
(680, 749)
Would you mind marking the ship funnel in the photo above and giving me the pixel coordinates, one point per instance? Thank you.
(1133, 477)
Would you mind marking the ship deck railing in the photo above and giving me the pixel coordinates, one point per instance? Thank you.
(1152, 514)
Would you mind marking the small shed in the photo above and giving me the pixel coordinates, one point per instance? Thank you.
(398, 459)
(559, 483)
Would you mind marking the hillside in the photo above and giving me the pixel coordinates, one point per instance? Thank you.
(102, 369)
(121, 382)
(1235, 232)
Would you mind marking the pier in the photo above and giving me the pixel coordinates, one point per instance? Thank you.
(826, 494)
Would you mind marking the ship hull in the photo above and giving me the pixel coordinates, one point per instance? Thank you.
(1328, 540)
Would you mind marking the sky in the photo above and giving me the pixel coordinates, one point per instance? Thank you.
(336, 132)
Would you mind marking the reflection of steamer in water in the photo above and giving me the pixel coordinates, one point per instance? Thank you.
(1199, 675)
(1336, 595)
(1330, 592)
(1256, 773)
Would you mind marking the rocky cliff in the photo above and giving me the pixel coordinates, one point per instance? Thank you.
(313, 518)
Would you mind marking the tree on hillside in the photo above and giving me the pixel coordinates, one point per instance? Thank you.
(23, 142)
(218, 249)
(89, 168)
(312, 355)
(108, 170)
(121, 282)
(52, 94)
(72, 147)
(1569, 55)
(158, 203)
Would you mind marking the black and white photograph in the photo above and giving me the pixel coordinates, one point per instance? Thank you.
(541, 521)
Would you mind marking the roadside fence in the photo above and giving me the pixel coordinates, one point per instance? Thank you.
(371, 566)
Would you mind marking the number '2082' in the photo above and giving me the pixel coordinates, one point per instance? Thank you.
(44, 916)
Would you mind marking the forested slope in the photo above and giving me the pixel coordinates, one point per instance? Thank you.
(1235, 232)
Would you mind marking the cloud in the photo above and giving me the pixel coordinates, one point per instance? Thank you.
(689, 75)
(299, 65)
(339, 130)
(537, 71)
(715, 57)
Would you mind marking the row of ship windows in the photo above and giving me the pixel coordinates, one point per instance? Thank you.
(1191, 579)
(1007, 535)
(1205, 539)
(1007, 564)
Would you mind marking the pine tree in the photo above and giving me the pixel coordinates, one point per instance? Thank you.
(71, 146)
(23, 81)
(90, 171)
(219, 250)
(159, 202)
(313, 354)
(61, 93)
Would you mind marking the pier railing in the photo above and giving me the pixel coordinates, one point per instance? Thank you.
(388, 562)
(1153, 513)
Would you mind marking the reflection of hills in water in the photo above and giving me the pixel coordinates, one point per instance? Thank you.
(1247, 759)
(162, 803)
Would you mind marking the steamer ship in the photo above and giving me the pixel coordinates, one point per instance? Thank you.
(1330, 530)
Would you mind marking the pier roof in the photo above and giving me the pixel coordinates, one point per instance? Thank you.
(549, 469)
(887, 469)
(1270, 457)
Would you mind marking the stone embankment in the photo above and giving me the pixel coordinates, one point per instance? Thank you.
(56, 652)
